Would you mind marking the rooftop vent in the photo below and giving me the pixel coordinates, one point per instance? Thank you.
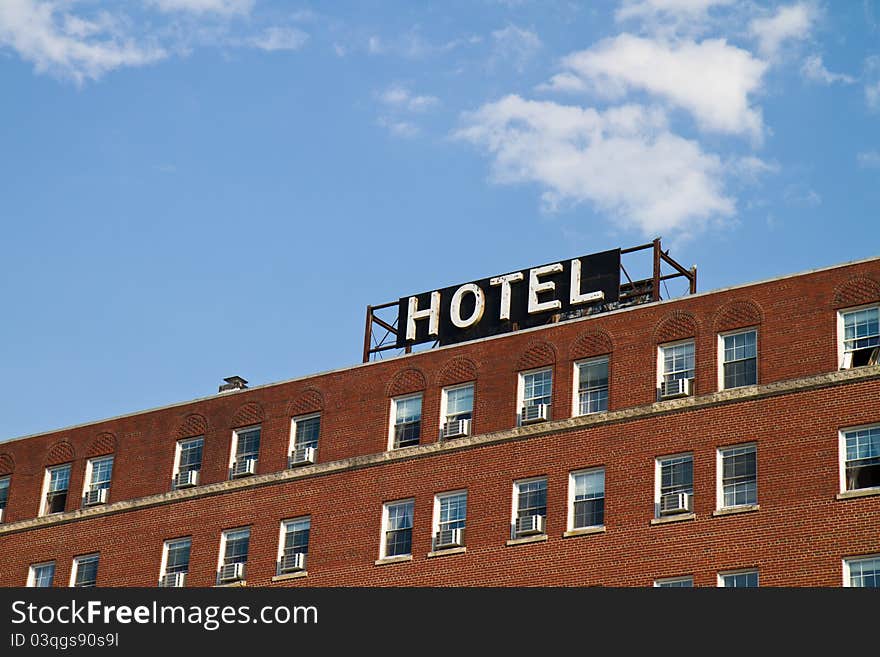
(233, 383)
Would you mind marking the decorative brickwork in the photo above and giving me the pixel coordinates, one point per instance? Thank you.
(192, 425)
(676, 326)
(537, 354)
(407, 381)
(104, 443)
(737, 314)
(591, 343)
(310, 401)
(458, 370)
(248, 414)
(856, 291)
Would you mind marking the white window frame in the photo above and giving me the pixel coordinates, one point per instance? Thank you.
(178, 453)
(444, 403)
(521, 391)
(76, 563)
(233, 448)
(722, 362)
(90, 467)
(575, 396)
(658, 583)
(47, 478)
(392, 423)
(847, 564)
(221, 557)
(383, 556)
(438, 502)
(166, 546)
(571, 495)
(282, 539)
(658, 472)
(661, 373)
(514, 507)
(841, 451)
(719, 475)
(294, 421)
(32, 573)
(741, 571)
(841, 350)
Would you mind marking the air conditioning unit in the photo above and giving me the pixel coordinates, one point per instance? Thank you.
(529, 525)
(231, 572)
(293, 561)
(457, 428)
(186, 479)
(535, 413)
(244, 467)
(96, 496)
(173, 581)
(675, 503)
(675, 388)
(301, 456)
(447, 538)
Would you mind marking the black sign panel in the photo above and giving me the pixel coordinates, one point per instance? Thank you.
(501, 313)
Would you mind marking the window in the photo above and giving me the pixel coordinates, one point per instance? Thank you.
(591, 380)
(862, 571)
(676, 369)
(98, 475)
(397, 523)
(450, 512)
(738, 579)
(4, 496)
(55, 487)
(674, 583)
(859, 342)
(85, 571)
(407, 426)
(861, 458)
(245, 451)
(739, 359)
(586, 490)
(529, 507)
(675, 484)
(304, 432)
(738, 476)
(535, 396)
(457, 411)
(188, 462)
(294, 545)
(233, 555)
(41, 575)
(175, 562)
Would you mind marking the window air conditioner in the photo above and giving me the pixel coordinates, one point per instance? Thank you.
(231, 572)
(447, 538)
(457, 428)
(186, 479)
(173, 581)
(675, 388)
(292, 562)
(95, 496)
(535, 413)
(529, 525)
(301, 456)
(244, 467)
(675, 503)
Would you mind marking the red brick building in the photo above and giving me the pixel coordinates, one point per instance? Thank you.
(729, 437)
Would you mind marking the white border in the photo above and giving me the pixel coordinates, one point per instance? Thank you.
(392, 419)
(720, 355)
(384, 528)
(575, 397)
(571, 488)
(719, 475)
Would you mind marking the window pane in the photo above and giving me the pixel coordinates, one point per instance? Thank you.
(865, 572)
(740, 580)
(4, 492)
(59, 479)
(739, 476)
(593, 387)
(178, 556)
(680, 583)
(398, 534)
(86, 571)
(248, 445)
(307, 431)
(236, 547)
(102, 471)
(532, 498)
(538, 388)
(407, 424)
(862, 458)
(296, 536)
(191, 455)
(677, 475)
(453, 509)
(44, 575)
(861, 329)
(678, 362)
(460, 402)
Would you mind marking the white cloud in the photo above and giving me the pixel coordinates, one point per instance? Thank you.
(799, 195)
(813, 69)
(624, 161)
(648, 9)
(65, 45)
(222, 7)
(872, 86)
(869, 159)
(514, 46)
(711, 79)
(280, 38)
(403, 129)
(791, 23)
(400, 97)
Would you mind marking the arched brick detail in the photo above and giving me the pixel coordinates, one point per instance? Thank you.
(310, 401)
(856, 291)
(250, 413)
(7, 464)
(61, 452)
(591, 343)
(192, 425)
(676, 326)
(537, 355)
(105, 443)
(736, 314)
(405, 381)
(457, 370)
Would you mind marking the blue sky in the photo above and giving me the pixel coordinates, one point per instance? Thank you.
(199, 188)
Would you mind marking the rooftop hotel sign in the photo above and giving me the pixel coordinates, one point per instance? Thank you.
(521, 299)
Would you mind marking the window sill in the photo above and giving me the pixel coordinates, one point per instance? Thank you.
(679, 517)
(388, 560)
(733, 510)
(859, 492)
(287, 576)
(447, 552)
(230, 585)
(584, 531)
(525, 540)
